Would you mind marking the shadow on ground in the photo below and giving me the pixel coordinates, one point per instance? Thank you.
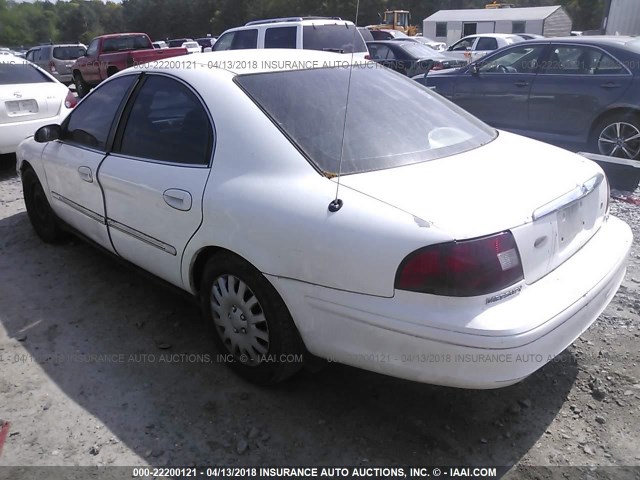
(70, 301)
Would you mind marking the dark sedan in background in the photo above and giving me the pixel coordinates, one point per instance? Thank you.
(410, 58)
(580, 93)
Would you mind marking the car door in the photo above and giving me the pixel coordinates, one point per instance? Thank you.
(154, 181)
(90, 64)
(576, 83)
(497, 90)
(72, 162)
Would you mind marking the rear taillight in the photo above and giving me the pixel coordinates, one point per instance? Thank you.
(437, 66)
(70, 101)
(462, 269)
(52, 67)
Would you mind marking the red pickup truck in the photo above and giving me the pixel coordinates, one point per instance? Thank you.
(108, 54)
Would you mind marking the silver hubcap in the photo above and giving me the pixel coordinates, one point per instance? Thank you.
(620, 139)
(239, 319)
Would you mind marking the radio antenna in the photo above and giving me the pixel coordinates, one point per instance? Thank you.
(336, 203)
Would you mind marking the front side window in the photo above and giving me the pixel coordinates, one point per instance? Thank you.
(93, 48)
(379, 52)
(167, 123)
(309, 106)
(463, 45)
(280, 37)
(91, 121)
(245, 39)
(340, 38)
(521, 59)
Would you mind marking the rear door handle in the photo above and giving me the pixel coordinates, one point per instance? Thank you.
(178, 199)
(610, 85)
(521, 83)
(85, 174)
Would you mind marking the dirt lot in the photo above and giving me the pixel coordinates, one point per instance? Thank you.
(61, 305)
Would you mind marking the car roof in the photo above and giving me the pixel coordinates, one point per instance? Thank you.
(119, 35)
(614, 40)
(494, 35)
(242, 62)
(289, 23)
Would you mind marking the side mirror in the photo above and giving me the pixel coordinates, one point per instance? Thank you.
(48, 133)
(207, 49)
(474, 69)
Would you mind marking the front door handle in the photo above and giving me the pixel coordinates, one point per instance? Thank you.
(178, 199)
(85, 174)
(521, 83)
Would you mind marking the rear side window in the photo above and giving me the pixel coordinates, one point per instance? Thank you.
(20, 72)
(90, 122)
(487, 43)
(341, 38)
(280, 37)
(168, 123)
(68, 53)
(309, 106)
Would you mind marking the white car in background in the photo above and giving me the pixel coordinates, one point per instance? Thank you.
(223, 182)
(29, 98)
(477, 46)
(438, 46)
(192, 47)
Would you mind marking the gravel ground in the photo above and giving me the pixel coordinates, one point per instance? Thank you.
(146, 402)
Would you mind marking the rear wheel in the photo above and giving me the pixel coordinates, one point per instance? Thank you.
(43, 219)
(251, 324)
(82, 87)
(618, 136)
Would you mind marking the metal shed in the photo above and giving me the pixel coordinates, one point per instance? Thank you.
(451, 25)
(621, 17)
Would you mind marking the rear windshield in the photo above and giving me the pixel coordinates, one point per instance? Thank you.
(419, 50)
(68, 53)
(117, 44)
(309, 106)
(20, 71)
(341, 38)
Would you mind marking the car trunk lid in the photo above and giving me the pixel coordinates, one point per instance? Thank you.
(25, 102)
(513, 183)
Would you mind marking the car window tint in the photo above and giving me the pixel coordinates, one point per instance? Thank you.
(90, 122)
(341, 38)
(522, 59)
(280, 37)
(245, 39)
(487, 43)
(167, 122)
(607, 65)
(68, 53)
(573, 60)
(224, 42)
(20, 72)
(309, 105)
(93, 48)
(463, 44)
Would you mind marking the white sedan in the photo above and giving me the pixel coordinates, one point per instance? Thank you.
(29, 99)
(427, 246)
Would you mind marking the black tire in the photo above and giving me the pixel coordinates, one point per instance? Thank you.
(237, 328)
(42, 218)
(611, 133)
(82, 87)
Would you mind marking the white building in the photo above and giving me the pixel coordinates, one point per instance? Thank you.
(622, 17)
(451, 25)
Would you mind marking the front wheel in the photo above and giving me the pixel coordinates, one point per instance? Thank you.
(251, 324)
(618, 136)
(82, 87)
(41, 216)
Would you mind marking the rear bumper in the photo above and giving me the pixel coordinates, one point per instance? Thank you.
(11, 134)
(404, 336)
